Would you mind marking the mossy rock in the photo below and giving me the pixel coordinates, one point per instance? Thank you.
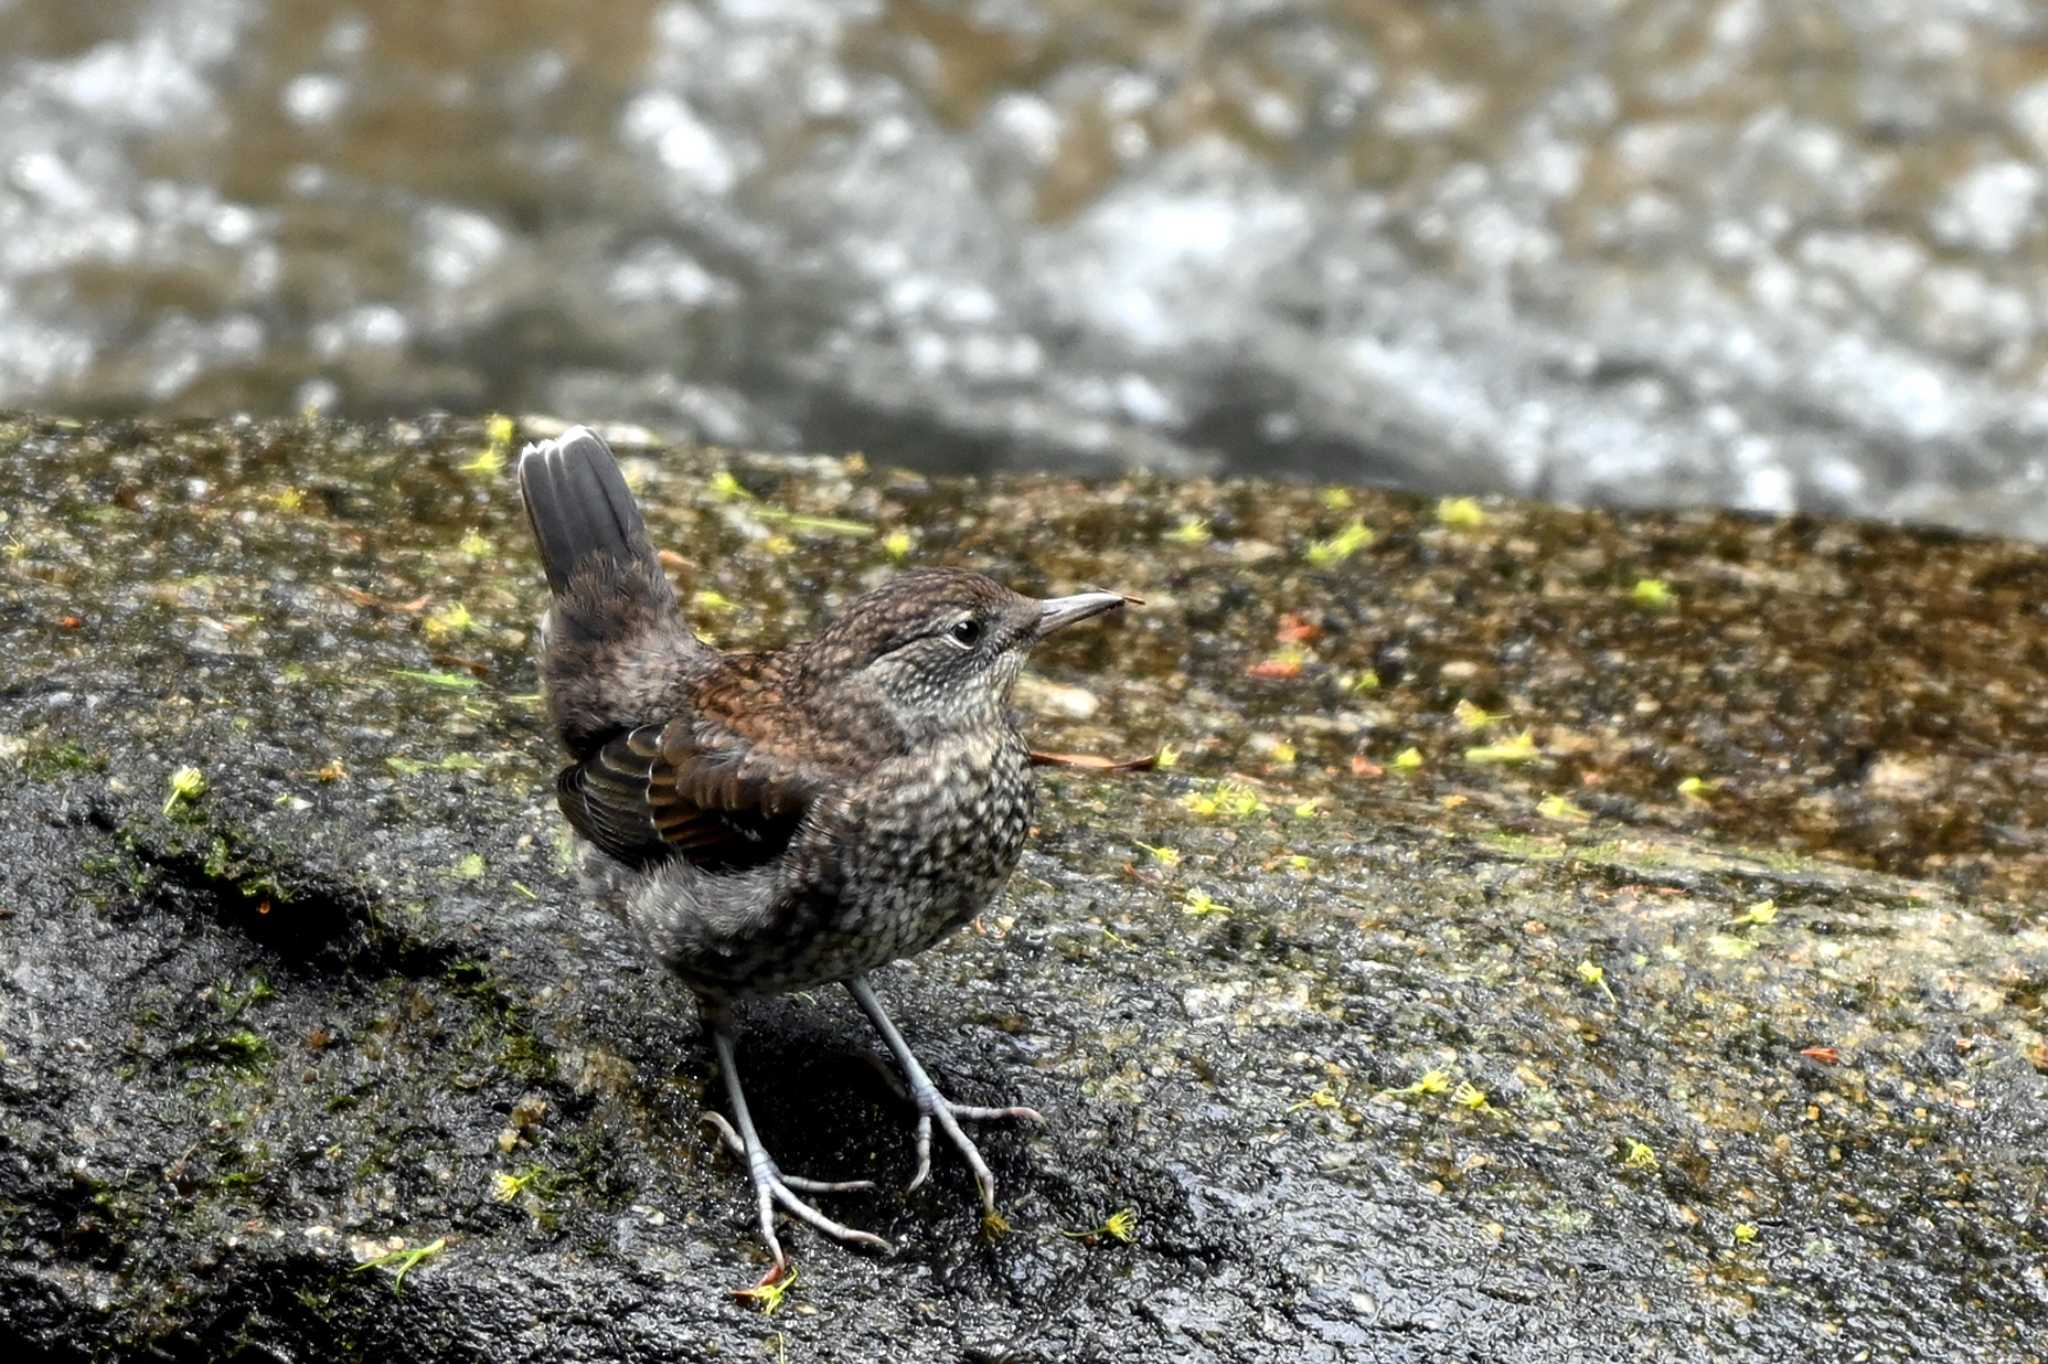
(1680, 993)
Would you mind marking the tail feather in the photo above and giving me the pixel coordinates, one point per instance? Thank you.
(614, 650)
(579, 506)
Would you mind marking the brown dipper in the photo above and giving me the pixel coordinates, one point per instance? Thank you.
(785, 819)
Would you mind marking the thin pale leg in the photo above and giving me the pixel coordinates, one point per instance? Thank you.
(932, 1105)
(771, 1186)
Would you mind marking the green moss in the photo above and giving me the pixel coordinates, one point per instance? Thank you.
(1526, 846)
(527, 1059)
(240, 1050)
(232, 1002)
(500, 1037)
(52, 761)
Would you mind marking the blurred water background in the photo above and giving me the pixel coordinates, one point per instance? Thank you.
(1764, 253)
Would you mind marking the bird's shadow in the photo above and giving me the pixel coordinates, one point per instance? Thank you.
(819, 1091)
(829, 1102)
(829, 1105)
(824, 1095)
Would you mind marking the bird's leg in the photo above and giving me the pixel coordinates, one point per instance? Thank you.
(771, 1186)
(932, 1105)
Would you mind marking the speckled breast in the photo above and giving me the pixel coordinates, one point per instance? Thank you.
(877, 874)
(923, 851)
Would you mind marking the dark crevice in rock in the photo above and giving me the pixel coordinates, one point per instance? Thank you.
(310, 921)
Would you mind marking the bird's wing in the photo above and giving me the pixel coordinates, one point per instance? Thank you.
(663, 791)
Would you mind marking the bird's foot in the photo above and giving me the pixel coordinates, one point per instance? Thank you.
(773, 1189)
(934, 1107)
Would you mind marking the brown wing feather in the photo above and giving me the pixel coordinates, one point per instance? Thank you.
(655, 793)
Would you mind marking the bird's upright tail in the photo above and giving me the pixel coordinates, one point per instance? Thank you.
(580, 507)
(614, 648)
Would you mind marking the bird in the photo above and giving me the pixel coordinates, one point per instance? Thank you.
(790, 818)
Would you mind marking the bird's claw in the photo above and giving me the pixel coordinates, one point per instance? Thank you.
(932, 1104)
(772, 1188)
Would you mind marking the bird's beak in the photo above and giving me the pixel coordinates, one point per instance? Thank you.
(1056, 612)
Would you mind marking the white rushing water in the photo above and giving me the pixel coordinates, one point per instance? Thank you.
(1759, 255)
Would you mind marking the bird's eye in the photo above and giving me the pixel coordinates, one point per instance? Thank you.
(966, 633)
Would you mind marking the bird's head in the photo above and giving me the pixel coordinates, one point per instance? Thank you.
(941, 648)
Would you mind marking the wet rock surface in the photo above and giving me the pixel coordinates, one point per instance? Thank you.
(1556, 936)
